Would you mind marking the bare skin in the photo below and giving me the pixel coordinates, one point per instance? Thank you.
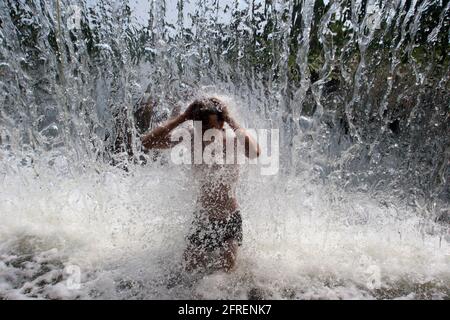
(216, 197)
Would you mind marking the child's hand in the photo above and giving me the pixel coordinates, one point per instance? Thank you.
(225, 113)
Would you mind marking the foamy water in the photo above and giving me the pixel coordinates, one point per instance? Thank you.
(358, 91)
(124, 233)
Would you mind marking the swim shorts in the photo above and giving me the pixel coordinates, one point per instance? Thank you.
(210, 234)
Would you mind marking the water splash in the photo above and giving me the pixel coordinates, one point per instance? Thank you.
(359, 90)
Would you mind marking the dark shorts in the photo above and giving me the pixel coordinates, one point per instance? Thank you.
(210, 234)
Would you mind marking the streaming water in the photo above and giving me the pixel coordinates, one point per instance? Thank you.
(359, 90)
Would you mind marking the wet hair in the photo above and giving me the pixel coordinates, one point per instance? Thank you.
(206, 107)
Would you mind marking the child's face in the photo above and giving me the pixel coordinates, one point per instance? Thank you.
(213, 122)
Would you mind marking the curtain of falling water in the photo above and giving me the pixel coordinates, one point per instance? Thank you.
(361, 87)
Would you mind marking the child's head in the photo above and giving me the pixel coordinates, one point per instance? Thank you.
(209, 112)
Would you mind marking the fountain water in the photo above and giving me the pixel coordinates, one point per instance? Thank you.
(358, 88)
